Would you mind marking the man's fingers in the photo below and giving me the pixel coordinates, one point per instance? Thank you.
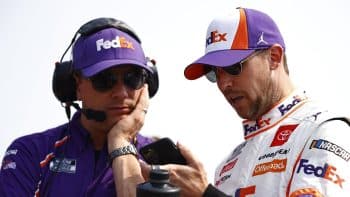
(190, 158)
(143, 101)
(145, 169)
(144, 98)
(186, 153)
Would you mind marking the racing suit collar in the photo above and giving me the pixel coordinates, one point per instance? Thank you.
(279, 112)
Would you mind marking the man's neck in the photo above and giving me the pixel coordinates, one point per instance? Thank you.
(277, 94)
(97, 133)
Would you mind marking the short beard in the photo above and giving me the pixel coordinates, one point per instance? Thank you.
(270, 95)
(254, 112)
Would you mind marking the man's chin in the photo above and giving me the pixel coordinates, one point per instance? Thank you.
(241, 112)
(112, 120)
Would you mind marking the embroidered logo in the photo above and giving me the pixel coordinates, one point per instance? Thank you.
(282, 135)
(118, 42)
(215, 36)
(326, 171)
(228, 166)
(330, 147)
(276, 165)
(63, 165)
(261, 39)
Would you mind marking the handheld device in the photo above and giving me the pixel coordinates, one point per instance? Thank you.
(162, 151)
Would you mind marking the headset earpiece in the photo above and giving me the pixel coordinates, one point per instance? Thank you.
(152, 79)
(63, 82)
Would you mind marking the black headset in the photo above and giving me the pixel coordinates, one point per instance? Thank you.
(63, 82)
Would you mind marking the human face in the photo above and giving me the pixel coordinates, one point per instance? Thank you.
(111, 91)
(248, 92)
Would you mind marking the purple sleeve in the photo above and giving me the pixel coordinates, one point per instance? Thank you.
(20, 171)
(142, 141)
(104, 185)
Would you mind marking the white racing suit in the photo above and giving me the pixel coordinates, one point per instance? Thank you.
(290, 151)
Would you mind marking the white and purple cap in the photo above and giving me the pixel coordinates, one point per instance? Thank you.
(105, 49)
(233, 38)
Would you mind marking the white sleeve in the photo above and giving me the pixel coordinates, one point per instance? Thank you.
(323, 168)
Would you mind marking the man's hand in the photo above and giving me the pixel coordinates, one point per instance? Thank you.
(191, 178)
(126, 168)
(126, 129)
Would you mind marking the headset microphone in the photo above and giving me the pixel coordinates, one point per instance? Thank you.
(96, 115)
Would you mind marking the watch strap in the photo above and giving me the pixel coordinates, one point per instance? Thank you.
(125, 150)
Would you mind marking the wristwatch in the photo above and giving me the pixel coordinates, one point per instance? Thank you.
(125, 150)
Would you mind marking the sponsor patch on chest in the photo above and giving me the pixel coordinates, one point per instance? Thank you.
(276, 165)
(63, 165)
(227, 167)
(282, 134)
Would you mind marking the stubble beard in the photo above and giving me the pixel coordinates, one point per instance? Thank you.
(265, 101)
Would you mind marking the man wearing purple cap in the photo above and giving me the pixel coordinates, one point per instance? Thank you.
(95, 153)
(291, 147)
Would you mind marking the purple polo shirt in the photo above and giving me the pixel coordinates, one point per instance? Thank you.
(58, 162)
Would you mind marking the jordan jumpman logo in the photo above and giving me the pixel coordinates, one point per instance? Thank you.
(261, 39)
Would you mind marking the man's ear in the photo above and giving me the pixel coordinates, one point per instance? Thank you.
(276, 53)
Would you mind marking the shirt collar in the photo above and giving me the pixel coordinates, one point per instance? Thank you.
(80, 136)
(275, 115)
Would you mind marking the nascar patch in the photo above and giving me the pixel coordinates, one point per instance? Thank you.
(330, 147)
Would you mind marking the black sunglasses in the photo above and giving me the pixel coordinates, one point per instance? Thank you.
(134, 79)
(234, 69)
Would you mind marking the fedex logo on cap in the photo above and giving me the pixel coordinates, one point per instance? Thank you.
(222, 33)
(215, 36)
(118, 42)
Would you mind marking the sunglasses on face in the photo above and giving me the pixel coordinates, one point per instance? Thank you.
(134, 79)
(234, 69)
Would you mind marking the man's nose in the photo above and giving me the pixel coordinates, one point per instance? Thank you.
(119, 89)
(224, 79)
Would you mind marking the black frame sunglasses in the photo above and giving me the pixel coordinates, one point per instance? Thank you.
(104, 81)
(234, 69)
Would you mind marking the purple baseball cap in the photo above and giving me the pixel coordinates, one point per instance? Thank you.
(107, 48)
(233, 38)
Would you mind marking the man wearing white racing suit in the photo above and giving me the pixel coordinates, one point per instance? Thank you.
(289, 151)
(290, 148)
